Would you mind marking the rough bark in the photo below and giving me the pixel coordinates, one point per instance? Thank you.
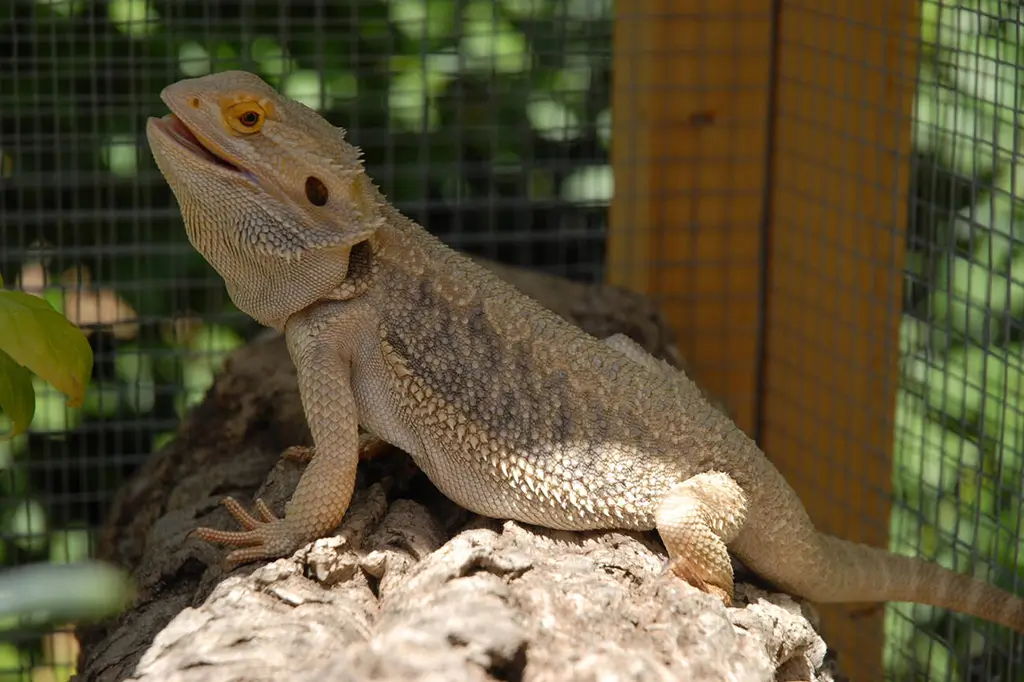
(412, 587)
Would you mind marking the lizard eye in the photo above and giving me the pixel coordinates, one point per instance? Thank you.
(246, 117)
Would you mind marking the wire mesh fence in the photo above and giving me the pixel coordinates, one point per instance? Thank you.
(490, 123)
(957, 456)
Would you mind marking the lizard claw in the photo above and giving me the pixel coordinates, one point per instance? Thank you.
(265, 538)
(243, 517)
(261, 508)
(677, 567)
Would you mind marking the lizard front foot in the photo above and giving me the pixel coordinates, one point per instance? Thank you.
(265, 538)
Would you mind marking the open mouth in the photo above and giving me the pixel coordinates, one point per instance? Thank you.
(173, 126)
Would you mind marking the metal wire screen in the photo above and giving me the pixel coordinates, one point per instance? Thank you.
(490, 124)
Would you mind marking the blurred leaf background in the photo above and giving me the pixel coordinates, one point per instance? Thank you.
(490, 124)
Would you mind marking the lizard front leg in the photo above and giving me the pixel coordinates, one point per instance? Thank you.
(323, 494)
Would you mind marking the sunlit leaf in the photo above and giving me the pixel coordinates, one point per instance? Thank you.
(306, 86)
(491, 42)
(17, 399)
(41, 339)
(552, 120)
(120, 155)
(28, 525)
(69, 546)
(136, 18)
(193, 59)
(591, 185)
(419, 19)
(62, 8)
(273, 58)
(53, 416)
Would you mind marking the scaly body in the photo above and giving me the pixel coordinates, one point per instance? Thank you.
(510, 410)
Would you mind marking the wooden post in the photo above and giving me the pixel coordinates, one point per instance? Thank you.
(699, 203)
(690, 129)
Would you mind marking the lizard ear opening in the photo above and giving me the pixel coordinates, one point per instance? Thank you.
(316, 191)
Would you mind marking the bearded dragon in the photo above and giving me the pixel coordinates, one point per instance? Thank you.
(511, 411)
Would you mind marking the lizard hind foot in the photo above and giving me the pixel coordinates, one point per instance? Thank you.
(684, 571)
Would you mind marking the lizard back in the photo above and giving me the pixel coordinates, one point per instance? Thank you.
(553, 425)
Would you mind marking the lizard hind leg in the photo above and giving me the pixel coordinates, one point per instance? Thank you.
(696, 520)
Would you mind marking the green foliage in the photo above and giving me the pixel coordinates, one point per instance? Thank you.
(959, 419)
(17, 397)
(39, 339)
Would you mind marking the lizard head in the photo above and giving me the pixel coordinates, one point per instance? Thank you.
(271, 194)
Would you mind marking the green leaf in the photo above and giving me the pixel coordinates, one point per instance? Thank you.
(17, 398)
(40, 595)
(41, 339)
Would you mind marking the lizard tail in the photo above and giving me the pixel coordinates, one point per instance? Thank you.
(883, 576)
